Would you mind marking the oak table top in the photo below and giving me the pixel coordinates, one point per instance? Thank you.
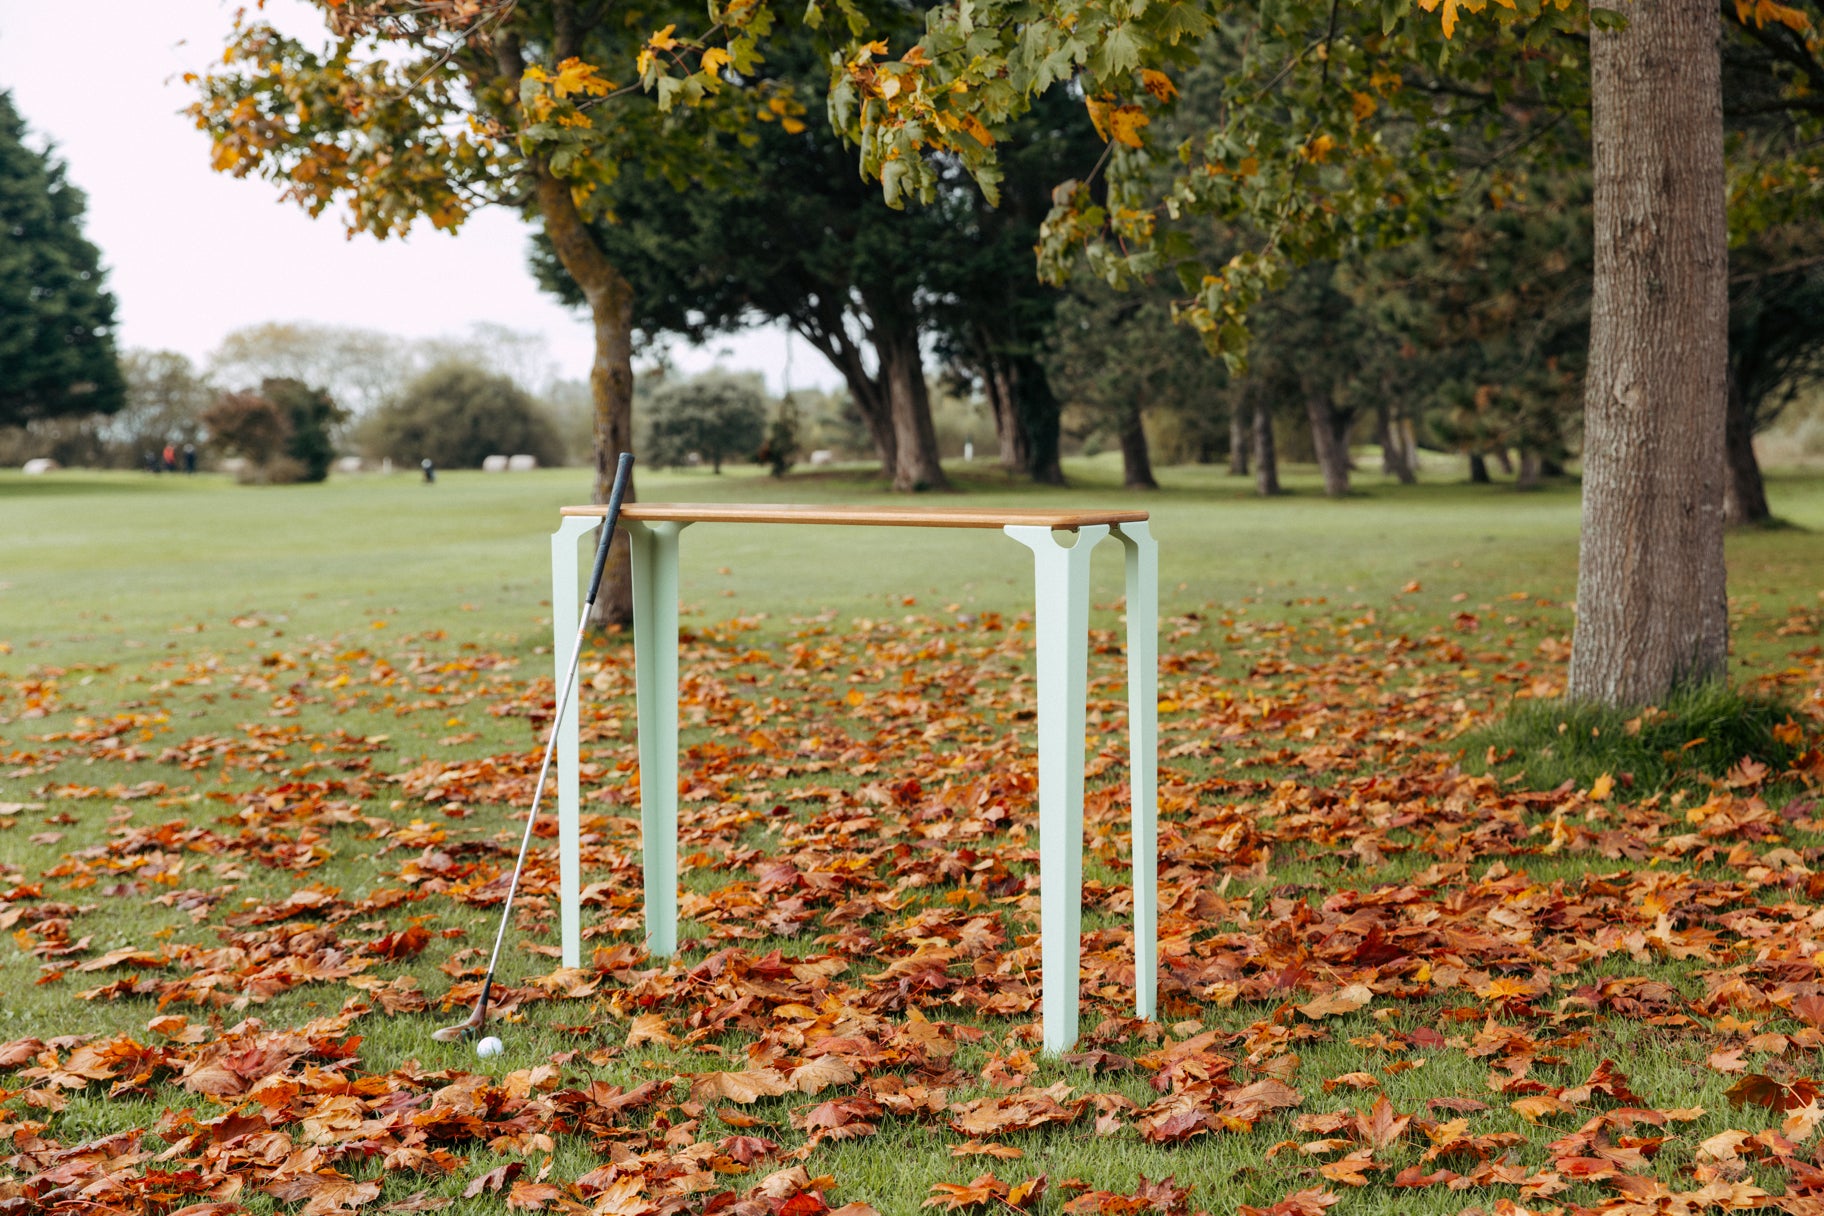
(888, 517)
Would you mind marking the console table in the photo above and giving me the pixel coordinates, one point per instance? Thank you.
(1061, 630)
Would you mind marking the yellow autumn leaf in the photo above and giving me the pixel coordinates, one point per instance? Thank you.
(1362, 105)
(974, 126)
(1125, 124)
(1158, 84)
(663, 41)
(792, 126)
(1098, 115)
(1601, 788)
(576, 76)
(1319, 148)
(715, 59)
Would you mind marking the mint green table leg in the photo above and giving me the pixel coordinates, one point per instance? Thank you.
(1143, 754)
(1061, 643)
(655, 657)
(566, 595)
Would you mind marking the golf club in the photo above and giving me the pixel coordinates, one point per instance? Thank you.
(474, 1022)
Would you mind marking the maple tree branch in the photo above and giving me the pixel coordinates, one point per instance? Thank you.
(462, 40)
(1755, 276)
(1782, 44)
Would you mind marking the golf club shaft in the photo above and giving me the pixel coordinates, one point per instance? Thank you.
(622, 474)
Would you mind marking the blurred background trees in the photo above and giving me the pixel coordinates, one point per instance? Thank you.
(1456, 347)
(57, 356)
(457, 415)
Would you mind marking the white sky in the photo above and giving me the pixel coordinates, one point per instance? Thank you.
(193, 254)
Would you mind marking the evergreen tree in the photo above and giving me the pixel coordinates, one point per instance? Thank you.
(56, 316)
(313, 416)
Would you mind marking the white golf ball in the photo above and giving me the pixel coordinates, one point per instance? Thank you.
(489, 1047)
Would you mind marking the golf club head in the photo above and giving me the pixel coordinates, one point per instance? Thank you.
(460, 1031)
(470, 1025)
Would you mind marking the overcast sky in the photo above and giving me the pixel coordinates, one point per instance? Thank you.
(192, 254)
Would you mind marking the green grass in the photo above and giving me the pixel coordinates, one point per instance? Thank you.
(1699, 735)
(188, 607)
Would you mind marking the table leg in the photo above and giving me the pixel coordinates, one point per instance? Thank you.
(1061, 629)
(1143, 754)
(565, 603)
(654, 549)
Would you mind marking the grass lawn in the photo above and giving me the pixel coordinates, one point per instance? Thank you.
(264, 754)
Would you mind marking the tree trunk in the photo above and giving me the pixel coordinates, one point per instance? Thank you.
(610, 299)
(999, 381)
(1266, 459)
(1332, 455)
(1136, 459)
(1478, 470)
(1396, 457)
(1040, 415)
(1529, 470)
(1744, 494)
(826, 331)
(1240, 447)
(1651, 597)
(902, 372)
(1505, 461)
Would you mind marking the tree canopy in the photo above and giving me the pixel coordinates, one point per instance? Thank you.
(56, 315)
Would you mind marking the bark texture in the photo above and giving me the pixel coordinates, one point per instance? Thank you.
(1327, 438)
(902, 370)
(1136, 457)
(1744, 494)
(610, 299)
(1266, 456)
(1399, 455)
(1026, 410)
(1240, 444)
(1651, 607)
(1529, 470)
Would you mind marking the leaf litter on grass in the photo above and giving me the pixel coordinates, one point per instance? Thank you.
(1344, 914)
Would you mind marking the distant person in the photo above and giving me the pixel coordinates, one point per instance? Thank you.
(151, 460)
(430, 470)
(170, 458)
(190, 458)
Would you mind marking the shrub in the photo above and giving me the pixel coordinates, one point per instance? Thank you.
(313, 416)
(714, 416)
(247, 425)
(457, 416)
(779, 452)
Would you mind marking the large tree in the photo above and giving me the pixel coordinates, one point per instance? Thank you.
(56, 316)
(794, 236)
(873, 289)
(1347, 127)
(1652, 609)
(414, 111)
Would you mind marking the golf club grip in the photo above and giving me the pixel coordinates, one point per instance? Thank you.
(623, 473)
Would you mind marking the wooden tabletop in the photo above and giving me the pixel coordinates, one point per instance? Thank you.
(887, 517)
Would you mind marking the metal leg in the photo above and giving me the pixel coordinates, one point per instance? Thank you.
(1143, 754)
(655, 656)
(1061, 620)
(566, 595)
